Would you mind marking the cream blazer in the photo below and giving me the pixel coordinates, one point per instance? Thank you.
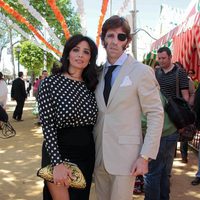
(117, 133)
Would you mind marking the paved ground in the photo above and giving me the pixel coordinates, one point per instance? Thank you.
(20, 158)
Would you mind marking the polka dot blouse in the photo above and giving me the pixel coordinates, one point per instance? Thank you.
(64, 103)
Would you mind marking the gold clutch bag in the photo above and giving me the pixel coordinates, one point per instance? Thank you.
(78, 182)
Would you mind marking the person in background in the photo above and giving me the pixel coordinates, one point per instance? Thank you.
(44, 75)
(196, 108)
(157, 180)
(3, 94)
(29, 87)
(184, 145)
(68, 112)
(191, 73)
(159, 169)
(55, 68)
(127, 89)
(18, 93)
(36, 86)
(3, 91)
(167, 75)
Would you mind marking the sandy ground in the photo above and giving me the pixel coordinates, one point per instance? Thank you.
(20, 158)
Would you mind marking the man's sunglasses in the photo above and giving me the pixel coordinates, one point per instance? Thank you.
(121, 37)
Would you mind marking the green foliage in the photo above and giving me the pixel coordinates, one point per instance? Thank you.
(21, 10)
(49, 61)
(32, 57)
(45, 10)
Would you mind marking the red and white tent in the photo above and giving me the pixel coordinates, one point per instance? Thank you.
(185, 41)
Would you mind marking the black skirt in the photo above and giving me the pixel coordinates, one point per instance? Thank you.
(76, 144)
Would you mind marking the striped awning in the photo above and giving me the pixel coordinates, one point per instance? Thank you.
(185, 42)
(186, 49)
(151, 57)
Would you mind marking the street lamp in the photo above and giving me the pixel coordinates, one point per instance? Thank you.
(18, 49)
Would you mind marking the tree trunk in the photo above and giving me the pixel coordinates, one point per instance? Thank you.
(11, 50)
(1, 53)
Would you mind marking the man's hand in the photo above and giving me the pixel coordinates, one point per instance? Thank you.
(140, 167)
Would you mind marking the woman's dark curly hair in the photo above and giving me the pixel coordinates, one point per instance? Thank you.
(89, 74)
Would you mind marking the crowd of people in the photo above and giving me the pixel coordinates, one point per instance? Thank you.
(108, 120)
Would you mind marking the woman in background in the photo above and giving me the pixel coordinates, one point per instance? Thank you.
(3, 94)
(3, 91)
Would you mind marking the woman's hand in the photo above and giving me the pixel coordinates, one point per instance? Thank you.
(62, 175)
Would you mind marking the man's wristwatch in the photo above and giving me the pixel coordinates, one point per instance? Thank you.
(144, 157)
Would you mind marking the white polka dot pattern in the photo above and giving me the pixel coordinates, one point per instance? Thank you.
(64, 103)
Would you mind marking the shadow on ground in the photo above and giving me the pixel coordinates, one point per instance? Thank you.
(20, 158)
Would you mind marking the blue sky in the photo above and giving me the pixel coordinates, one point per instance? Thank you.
(148, 11)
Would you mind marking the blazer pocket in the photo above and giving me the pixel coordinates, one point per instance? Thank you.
(125, 139)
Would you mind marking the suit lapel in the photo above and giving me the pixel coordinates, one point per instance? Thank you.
(126, 68)
(100, 88)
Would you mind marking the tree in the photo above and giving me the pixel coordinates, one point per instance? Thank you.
(33, 58)
(44, 9)
(7, 35)
(4, 37)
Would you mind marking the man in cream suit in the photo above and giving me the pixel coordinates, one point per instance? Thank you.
(121, 152)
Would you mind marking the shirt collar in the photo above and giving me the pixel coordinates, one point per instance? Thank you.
(120, 61)
(174, 68)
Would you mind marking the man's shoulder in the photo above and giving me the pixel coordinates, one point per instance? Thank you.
(142, 67)
(142, 71)
(131, 60)
(158, 71)
(17, 80)
(135, 63)
(14, 81)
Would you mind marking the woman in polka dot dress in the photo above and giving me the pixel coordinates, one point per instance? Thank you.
(68, 112)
